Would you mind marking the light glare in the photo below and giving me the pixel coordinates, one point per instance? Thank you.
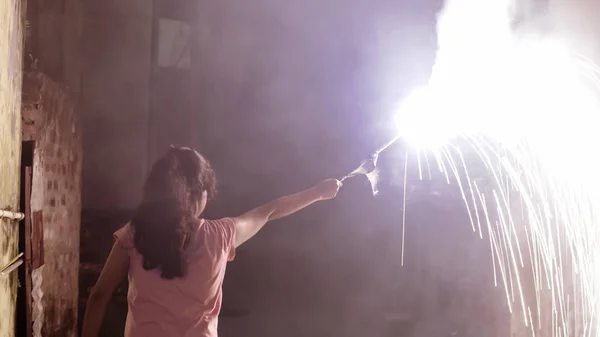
(529, 108)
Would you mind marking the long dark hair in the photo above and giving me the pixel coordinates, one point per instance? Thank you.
(165, 219)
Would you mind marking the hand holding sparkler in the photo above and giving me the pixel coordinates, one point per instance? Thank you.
(368, 167)
(328, 189)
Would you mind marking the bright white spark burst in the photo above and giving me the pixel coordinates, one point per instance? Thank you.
(528, 108)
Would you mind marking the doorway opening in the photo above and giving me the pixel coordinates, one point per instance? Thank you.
(24, 324)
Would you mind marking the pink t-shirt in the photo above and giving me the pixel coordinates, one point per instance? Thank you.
(182, 307)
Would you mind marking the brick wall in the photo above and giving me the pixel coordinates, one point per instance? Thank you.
(56, 201)
(10, 148)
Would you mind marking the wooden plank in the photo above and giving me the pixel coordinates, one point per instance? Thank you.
(28, 176)
(37, 240)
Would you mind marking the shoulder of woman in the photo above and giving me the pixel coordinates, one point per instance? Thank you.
(124, 236)
(218, 223)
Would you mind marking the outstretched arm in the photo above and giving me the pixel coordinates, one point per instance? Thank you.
(249, 223)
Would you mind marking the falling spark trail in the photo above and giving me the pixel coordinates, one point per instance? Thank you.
(404, 207)
(521, 111)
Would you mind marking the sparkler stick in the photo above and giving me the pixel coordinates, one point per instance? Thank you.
(369, 165)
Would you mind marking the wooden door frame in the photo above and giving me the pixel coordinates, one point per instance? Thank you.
(27, 149)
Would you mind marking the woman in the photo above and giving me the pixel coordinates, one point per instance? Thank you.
(176, 260)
